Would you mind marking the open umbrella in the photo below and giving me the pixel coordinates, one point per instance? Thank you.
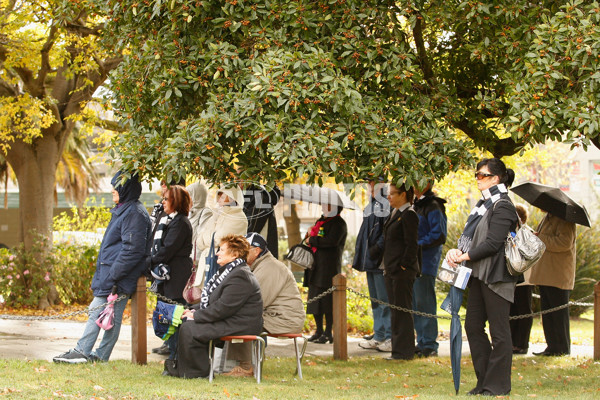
(318, 195)
(452, 305)
(553, 200)
(107, 316)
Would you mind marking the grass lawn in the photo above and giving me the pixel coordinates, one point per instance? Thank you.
(359, 378)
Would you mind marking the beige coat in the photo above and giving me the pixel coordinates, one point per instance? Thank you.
(556, 268)
(283, 311)
(221, 221)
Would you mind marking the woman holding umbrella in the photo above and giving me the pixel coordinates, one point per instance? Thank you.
(492, 288)
(554, 275)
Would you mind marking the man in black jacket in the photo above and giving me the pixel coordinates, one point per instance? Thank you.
(401, 266)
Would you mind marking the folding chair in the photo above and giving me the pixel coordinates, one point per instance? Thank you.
(258, 351)
(299, 354)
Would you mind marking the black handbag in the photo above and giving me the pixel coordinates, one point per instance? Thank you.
(301, 255)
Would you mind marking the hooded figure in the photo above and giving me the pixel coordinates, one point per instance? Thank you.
(121, 261)
(227, 218)
(199, 213)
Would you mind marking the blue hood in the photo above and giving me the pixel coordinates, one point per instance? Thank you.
(130, 190)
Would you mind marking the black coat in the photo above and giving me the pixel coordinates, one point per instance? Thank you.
(234, 308)
(400, 249)
(328, 258)
(175, 251)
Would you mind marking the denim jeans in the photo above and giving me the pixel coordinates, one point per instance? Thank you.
(91, 331)
(382, 323)
(424, 300)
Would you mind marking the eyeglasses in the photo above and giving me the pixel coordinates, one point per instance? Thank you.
(480, 175)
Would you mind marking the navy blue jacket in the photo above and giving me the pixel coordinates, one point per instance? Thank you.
(370, 235)
(123, 251)
(432, 231)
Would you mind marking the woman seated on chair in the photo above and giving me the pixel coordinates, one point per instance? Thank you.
(231, 304)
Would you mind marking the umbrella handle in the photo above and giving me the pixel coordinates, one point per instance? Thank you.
(114, 290)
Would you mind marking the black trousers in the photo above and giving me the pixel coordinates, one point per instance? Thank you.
(492, 360)
(520, 329)
(556, 324)
(403, 328)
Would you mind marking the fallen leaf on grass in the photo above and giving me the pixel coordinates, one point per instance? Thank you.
(342, 387)
(98, 387)
(41, 369)
(226, 392)
(311, 363)
(405, 385)
(532, 395)
(399, 396)
(9, 390)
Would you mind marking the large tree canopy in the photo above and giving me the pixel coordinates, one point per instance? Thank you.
(348, 87)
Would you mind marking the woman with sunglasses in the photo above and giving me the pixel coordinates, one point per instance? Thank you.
(491, 288)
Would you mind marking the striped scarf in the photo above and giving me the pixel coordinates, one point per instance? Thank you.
(489, 197)
(158, 235)
(216, 280)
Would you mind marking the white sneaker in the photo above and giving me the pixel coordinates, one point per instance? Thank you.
(369, 344)
(386, 345)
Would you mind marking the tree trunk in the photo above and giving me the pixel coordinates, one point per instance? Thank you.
(35, 167)
(292, 226)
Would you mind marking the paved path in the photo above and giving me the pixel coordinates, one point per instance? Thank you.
(42, 340)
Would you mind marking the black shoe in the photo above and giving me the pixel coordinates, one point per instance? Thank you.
(547, 353)
(474, 392)
(392, 358)
(170, 368)
(314, 337)
(426, 353)
(71, 357)
(369, 337)
(324, 339)
(519, 350)
(162, 350)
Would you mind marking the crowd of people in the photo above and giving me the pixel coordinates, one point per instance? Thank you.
(399, 247)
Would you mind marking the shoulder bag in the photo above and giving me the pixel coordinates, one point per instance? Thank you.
(301, 255)
(522, 250)
(192, 292)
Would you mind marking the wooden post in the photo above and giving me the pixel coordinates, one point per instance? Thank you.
(597, 321)
(340, 324)
(139, 340)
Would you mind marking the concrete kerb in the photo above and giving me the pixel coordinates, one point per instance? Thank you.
(42, 340)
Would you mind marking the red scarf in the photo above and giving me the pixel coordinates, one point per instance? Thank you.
(314, 231)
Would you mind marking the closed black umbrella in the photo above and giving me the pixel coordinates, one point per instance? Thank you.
(554, 201)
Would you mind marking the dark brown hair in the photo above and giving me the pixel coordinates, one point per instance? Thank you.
(180, 199)
(410, 192)
(237, 245)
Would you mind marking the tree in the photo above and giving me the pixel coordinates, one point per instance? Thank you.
(346, 88)
(51, 63)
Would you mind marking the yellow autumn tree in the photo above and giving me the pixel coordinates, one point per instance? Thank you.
(51, 63)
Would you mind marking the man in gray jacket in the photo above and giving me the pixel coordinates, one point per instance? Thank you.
(283, 310)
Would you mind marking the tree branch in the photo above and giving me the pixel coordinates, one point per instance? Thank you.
(498, 147)
(45, 68)
(421, 51)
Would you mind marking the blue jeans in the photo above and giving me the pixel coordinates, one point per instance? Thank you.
(91, 331)
(382, 323)
(424, 300)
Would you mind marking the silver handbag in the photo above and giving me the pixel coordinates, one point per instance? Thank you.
(523, 250)
(301, 255)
